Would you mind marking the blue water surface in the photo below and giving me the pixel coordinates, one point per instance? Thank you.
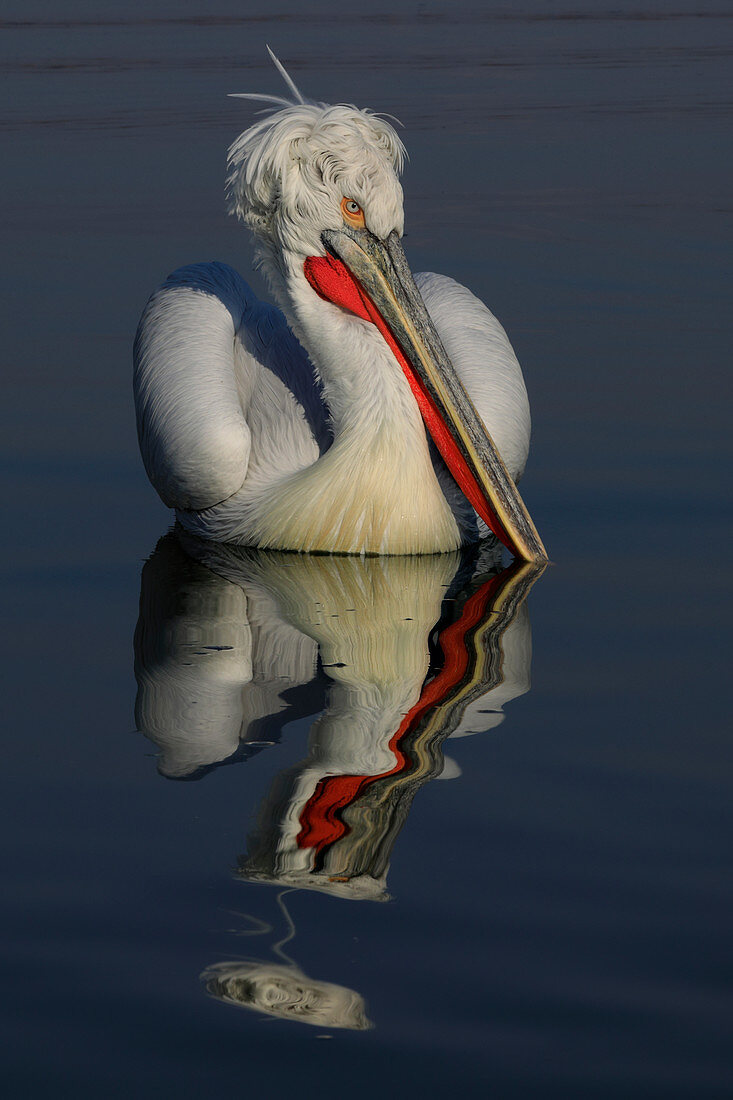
(558, 922)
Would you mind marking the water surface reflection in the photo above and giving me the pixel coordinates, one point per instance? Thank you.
(390, 656)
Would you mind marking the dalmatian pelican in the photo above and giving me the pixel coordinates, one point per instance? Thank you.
(373, 412)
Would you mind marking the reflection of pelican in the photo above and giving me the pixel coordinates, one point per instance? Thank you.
(250, 446)
(287, 993)
(283, 991)
(213, 659)
(217, 652)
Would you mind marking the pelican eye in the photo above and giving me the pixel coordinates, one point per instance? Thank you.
(352, 212)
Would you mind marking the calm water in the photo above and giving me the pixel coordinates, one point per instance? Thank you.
(559, 910)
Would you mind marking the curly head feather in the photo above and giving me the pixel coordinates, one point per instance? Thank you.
(289, 171)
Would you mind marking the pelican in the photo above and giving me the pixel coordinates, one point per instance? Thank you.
(373, 412)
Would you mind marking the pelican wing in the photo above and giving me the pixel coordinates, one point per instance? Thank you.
(222, 389)
(480, 351)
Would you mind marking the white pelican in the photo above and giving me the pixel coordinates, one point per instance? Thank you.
(304, 427)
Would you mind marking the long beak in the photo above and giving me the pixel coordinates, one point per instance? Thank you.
(393, 302)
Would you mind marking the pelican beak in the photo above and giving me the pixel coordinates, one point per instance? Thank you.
(385, 293)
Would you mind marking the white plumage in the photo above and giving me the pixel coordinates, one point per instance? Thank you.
(296, 427)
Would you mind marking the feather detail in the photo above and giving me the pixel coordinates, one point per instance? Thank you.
(286, 77)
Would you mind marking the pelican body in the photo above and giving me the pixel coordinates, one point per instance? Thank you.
(372, 412)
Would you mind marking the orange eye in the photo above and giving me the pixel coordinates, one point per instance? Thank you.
(353, 213)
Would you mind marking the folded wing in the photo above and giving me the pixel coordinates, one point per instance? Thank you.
(222, 389)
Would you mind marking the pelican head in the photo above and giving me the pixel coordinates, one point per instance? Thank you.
(319, 187)
(290, 172)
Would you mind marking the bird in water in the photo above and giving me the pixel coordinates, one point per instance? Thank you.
(373, 412)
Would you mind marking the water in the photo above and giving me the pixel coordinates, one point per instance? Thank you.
(560, 910)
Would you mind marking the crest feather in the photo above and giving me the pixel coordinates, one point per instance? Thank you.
(278, 100)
